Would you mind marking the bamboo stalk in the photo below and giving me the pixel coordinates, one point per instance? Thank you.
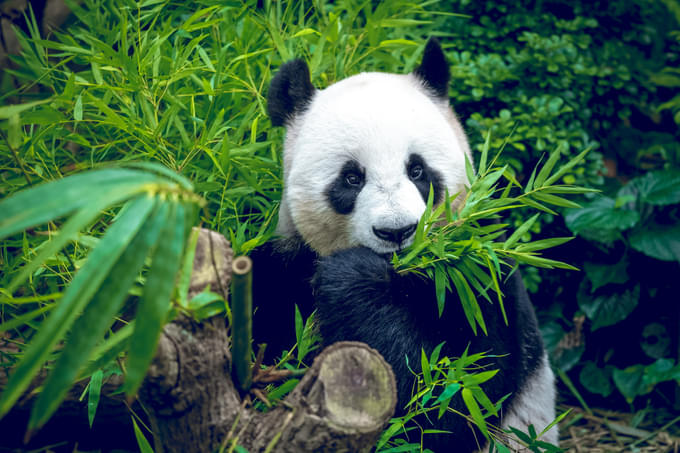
(242, 321)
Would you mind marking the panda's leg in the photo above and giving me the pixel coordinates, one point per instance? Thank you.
(534, 405)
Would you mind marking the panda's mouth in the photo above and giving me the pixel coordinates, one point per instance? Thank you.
(387, 248)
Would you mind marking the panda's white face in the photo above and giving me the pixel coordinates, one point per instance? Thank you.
(360, 159)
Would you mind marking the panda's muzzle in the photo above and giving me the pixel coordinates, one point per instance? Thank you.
(396, 235)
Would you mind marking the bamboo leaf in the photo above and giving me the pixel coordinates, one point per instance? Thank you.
(142, 443)
(519, 232)
(54, 199)
(547, 168)
(485, 154)
(542, 244)
(566, 167)
(93, 395)
(473, 407)
(425, 366)
(85, 216)
(83, 287)
(470, 306)
(97, 316)
(555, 200)
(155, 301)
(108, 350)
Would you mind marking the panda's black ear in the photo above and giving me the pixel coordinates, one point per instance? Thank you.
(290, 92)
(434, 69)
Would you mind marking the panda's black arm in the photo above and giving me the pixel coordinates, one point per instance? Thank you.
(360, 297)
(281, 280)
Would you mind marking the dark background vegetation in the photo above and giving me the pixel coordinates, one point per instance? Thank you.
(153, 81)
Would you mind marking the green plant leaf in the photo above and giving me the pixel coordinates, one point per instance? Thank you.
(83, 287)
(54, 199)
(658, 241)
(90, 327)
(601, 213)
(601, 274)
(142, 443)
(609, 309)
(630, 381)
(85, 215)
(596, 380)
(658, 187)
(155, 302)
(473, 407)
(93, 395)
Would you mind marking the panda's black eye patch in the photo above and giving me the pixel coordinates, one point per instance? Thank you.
(415, 172)
(343, 191)
(422, 175)
(353, 179)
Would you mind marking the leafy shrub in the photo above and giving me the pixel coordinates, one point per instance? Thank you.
(570, 76)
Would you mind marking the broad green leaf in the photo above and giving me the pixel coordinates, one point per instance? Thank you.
(93, 394)
(155, 302)
(658, 187)
(658, 241)
(91, 326)
(601, 274)
(601, 213)
(280, 391)
(609, 309)
(187, 267)
(596, 379)
(83, 287)
(630, 382)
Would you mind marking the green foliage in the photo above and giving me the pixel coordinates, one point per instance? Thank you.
(455, 248)
(443, 378)
(577, 75)
(155, 205)
(181, 84)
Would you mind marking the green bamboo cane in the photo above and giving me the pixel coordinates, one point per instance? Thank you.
(242, 321)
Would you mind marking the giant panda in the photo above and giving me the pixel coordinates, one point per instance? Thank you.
(359, 159)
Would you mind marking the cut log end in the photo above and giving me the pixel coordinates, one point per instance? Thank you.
(359, 389)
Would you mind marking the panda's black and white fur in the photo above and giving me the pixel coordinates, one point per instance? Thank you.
(359, 158)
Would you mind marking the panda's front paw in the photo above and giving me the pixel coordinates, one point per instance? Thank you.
(356, 274)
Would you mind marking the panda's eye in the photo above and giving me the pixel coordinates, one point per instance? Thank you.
(353, 179)
(415, 172)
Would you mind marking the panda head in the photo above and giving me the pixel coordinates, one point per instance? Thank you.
(360, 155)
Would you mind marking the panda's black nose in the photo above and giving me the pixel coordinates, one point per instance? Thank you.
(396, 235)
